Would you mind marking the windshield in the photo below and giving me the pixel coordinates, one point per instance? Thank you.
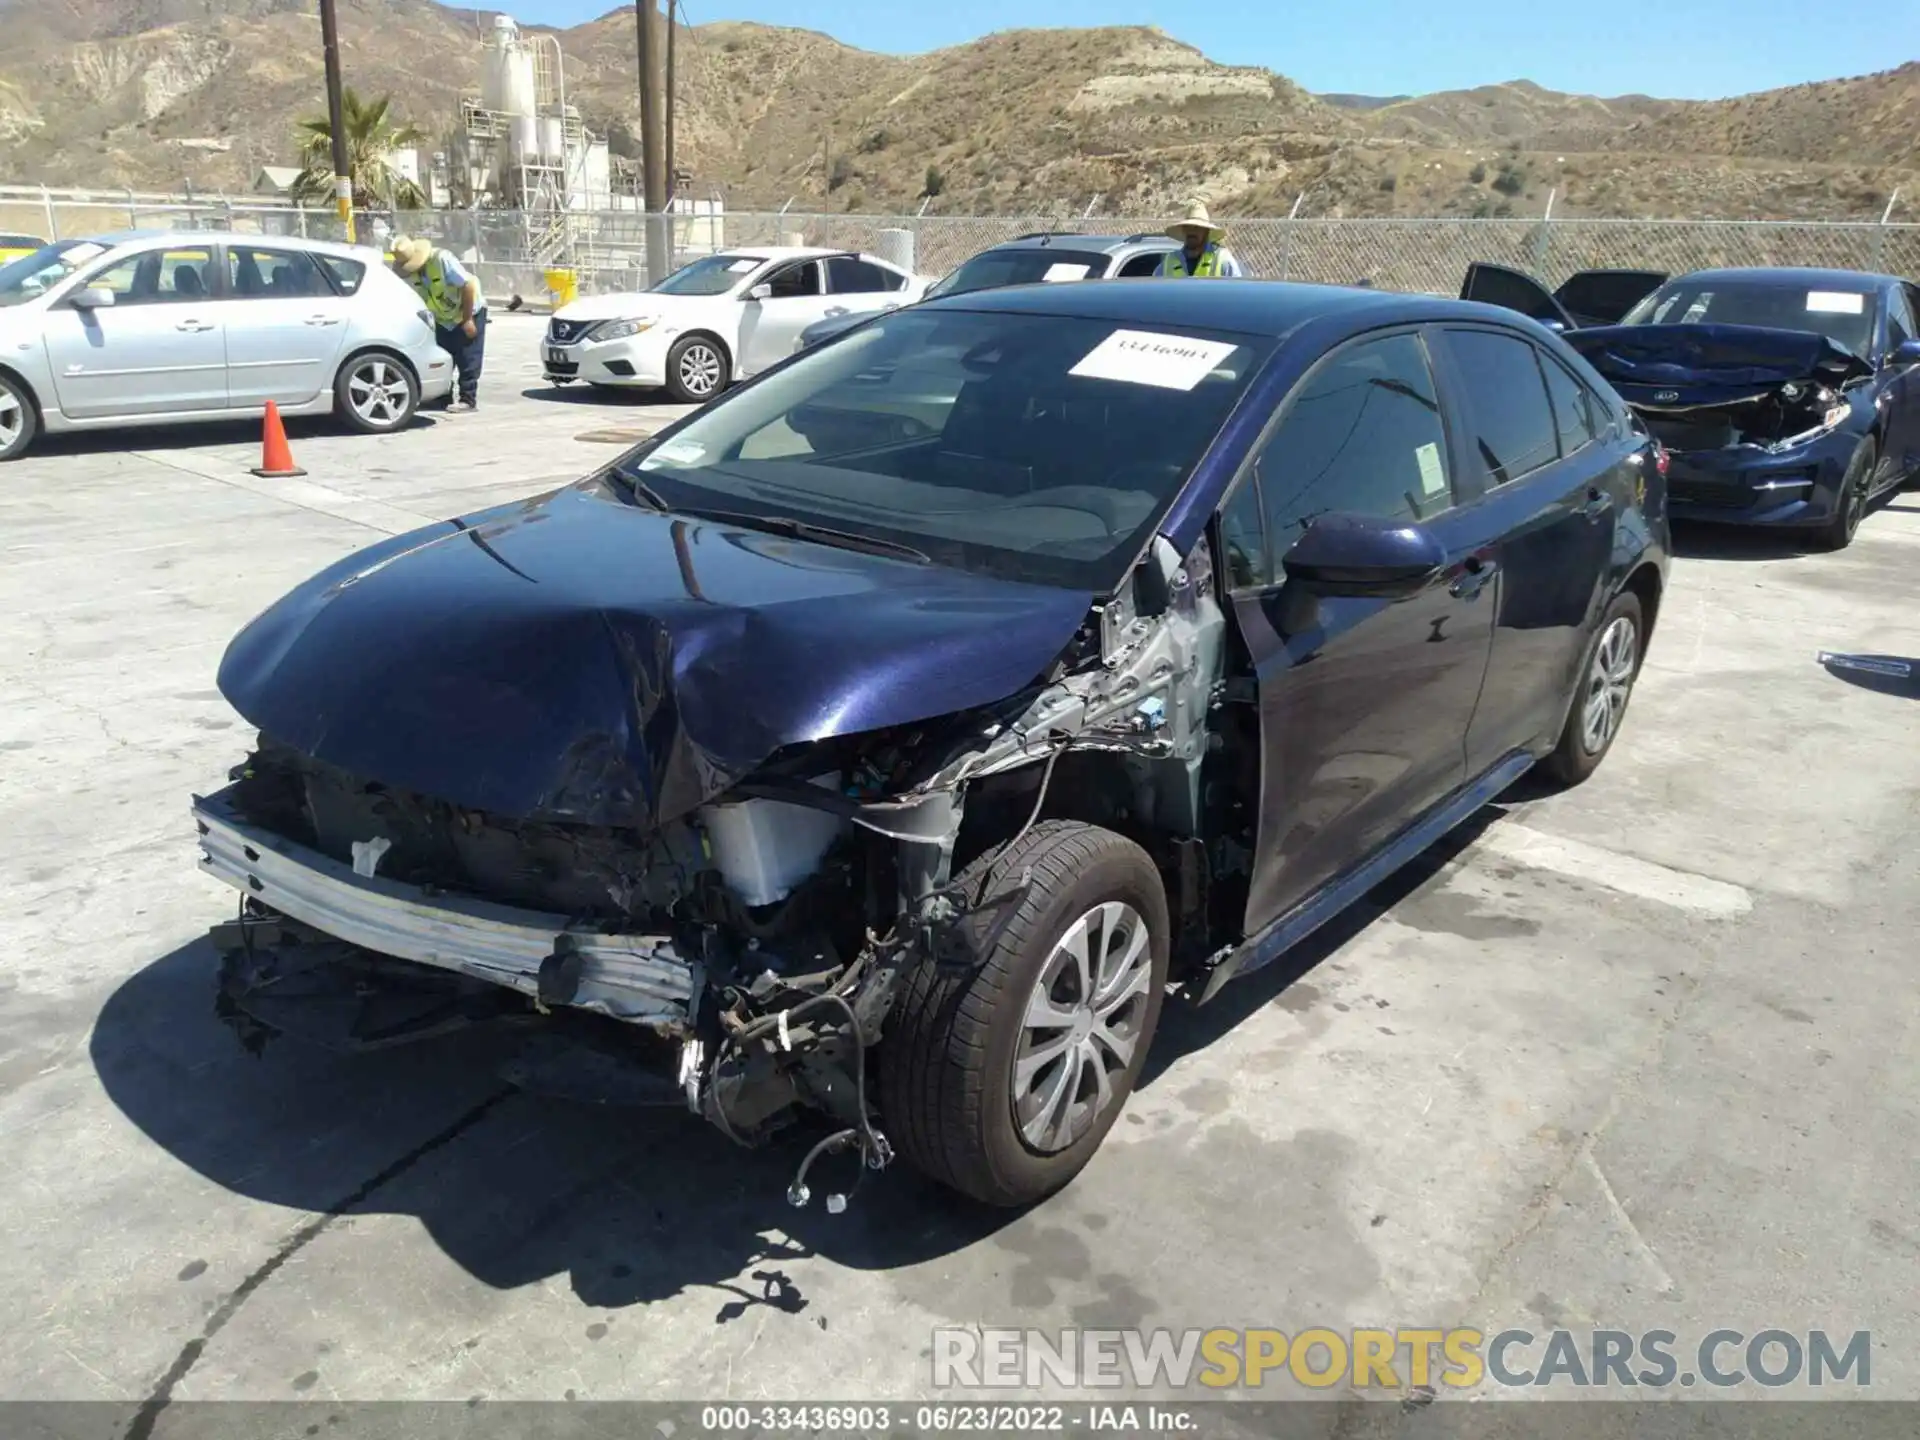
(1031, 447)
(710, 275)
(993, 268)
(31, 276)
(1843, 316)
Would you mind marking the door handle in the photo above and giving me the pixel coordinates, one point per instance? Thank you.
(194, 327)
(1479, 572)
(1598, 503)
(323, 320)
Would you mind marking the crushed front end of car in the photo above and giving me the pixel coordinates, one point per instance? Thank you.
(1761, 425)
(547, 769)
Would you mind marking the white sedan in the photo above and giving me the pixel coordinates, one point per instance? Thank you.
(152, 329)
(723, 318)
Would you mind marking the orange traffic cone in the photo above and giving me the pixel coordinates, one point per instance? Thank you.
(276, 459)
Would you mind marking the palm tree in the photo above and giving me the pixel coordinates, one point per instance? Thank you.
(371, 141)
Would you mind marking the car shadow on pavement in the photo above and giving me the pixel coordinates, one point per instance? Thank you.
(1696, 541)
(633, 1205)
(1878, 673)
(587, 395)
(212, 434)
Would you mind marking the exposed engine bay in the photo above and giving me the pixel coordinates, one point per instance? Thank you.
(1776, 418)
(746, 954)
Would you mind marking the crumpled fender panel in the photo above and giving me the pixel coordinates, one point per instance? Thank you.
(1709, 363)
(575, 658)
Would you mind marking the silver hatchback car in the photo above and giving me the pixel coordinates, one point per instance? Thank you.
(152, 329)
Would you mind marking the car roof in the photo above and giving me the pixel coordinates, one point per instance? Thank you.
(116, 238)
(1075, 240)
(1793, 276)
(778, 252)
(1249, 307)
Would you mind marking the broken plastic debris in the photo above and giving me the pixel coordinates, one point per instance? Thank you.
(1867, 664)
(836, 1204)
(367, 855)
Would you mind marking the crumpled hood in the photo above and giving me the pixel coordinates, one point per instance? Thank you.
(574, 657)
(638, 305)
(1705, 362)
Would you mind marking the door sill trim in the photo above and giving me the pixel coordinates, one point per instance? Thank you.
(1337, 895)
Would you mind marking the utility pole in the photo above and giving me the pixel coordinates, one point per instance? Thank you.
(673, 105)
(336, 118)
(653, 138)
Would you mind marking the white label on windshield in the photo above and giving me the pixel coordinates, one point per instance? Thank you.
(1056, 273)
(675, 452)
(81, 254)
(1836, 302)
(1433, 480)
(1697, 308)
(1141, 357)
(740, 267)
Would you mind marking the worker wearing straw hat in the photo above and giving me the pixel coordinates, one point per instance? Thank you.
(1202, 255)
(459, 309)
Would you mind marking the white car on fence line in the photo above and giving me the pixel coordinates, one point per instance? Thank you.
(150, 328)
(722, 318)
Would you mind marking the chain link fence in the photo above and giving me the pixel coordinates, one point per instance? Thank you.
(605, 251)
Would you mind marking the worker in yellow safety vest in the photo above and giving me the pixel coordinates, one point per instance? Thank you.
(459, 310)
(1202, 255)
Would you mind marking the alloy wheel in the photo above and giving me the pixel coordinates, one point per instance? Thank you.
(1082, 1025)
(700, 370)
(379, 393)
(13, 419)
(1609, 683)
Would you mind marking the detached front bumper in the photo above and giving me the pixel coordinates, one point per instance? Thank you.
(1747, 486)
(640, 979)
(639, 361)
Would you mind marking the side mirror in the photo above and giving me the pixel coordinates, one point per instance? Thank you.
(97, 297)
(1363, 555)
(1907, 352)
(762, 291)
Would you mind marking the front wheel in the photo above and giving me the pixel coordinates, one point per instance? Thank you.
(697, 370)
(1000, 1076)
(19, 421)
(375, 394)
(1600, 697)
(1851, 506)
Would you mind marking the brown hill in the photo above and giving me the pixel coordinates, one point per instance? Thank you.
(157, 93)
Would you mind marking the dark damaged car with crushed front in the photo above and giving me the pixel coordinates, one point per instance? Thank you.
(885, 741)
(1789, 398)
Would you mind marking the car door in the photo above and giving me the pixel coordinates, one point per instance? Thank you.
(1364, 702)
(797, 296)
(1553, 481)
(159, 349)
(285, 326)
(1901, 384)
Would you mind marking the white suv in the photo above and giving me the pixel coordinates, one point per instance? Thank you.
(153, 329)
(723, 318)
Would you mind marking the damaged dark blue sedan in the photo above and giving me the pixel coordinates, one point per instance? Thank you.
(888, 738)
(1788, 397)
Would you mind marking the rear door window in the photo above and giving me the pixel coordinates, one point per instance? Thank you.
(345, 274)
(849, 276)
(258, 274)
(1577, 415)
(1511, 428)
(1142, 267)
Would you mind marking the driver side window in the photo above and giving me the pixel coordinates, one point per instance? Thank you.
(796, 282)
(1361, 435)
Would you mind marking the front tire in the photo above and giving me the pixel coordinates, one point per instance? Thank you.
(375, 394)
(1000, 1077)
(1607, 675)
(697, 369)
(19, 421)
(1838, 532)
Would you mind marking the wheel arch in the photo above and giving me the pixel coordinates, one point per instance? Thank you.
(701, 332)
(25, 385)
(1645, 584)
(376, 347)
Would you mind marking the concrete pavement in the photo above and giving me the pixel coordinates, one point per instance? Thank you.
(1642, 1055)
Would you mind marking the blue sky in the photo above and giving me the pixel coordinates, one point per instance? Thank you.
(1688, 49)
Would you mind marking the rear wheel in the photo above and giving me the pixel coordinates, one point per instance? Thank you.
(1851, 507)
(1001, 1076)
(19, 421)
(697, 370)
(375, 394)
(1601, 694)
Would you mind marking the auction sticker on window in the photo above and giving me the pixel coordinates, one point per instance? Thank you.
(1142, 357)
(1433, 479)
(1056, 273)
(675, 452)
(1836, 302)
